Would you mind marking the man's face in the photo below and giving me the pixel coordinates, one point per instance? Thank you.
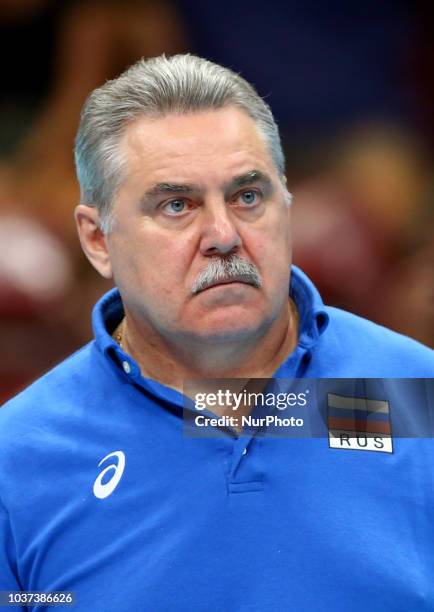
(199, 188)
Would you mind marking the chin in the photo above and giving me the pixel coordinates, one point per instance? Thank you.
(234, 330)
(225, 336)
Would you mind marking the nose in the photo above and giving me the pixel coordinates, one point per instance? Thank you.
(219, 231)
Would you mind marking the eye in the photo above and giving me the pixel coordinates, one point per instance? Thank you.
(175, 207)
(250, 197)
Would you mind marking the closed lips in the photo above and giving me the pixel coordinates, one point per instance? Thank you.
(228, 281)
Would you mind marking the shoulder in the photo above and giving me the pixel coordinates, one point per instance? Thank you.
(381, 351)
(42, 428)
(54, 391)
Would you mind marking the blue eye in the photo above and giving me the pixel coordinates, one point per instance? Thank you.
(175, 206)
(249, 197)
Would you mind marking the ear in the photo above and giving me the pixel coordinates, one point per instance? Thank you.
(288, 201)
(92, 239)
(287, 193)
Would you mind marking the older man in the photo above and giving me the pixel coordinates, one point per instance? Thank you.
(184, 204)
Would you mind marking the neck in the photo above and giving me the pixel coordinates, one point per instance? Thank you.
(171, 364)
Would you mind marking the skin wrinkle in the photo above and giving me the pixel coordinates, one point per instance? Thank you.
(244, 180)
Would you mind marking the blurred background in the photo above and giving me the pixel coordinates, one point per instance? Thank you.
(351, 85)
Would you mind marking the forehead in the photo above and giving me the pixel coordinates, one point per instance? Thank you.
(200, 145)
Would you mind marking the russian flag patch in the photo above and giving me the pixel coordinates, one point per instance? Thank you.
(356, 423)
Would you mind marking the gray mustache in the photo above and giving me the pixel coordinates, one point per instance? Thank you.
(225, 269)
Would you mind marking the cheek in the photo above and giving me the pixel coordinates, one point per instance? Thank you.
(158, 265)
(271, 243)
(282, 241)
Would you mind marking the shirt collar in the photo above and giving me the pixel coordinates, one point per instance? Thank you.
(313, 318)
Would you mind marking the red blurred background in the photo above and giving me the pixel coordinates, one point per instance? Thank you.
(352, 88)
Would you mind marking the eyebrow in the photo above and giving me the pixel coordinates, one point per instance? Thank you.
(165, 188)
(242, 180)
(249, 178)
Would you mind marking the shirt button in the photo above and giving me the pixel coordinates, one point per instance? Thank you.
(245, 451)
(126, 366)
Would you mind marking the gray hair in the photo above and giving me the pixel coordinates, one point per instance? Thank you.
(155, 88)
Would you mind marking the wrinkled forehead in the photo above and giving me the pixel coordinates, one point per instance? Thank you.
(195, 142)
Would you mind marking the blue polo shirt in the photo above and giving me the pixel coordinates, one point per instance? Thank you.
(102, 494)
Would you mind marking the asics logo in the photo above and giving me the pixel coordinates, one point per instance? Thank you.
(101, 490)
